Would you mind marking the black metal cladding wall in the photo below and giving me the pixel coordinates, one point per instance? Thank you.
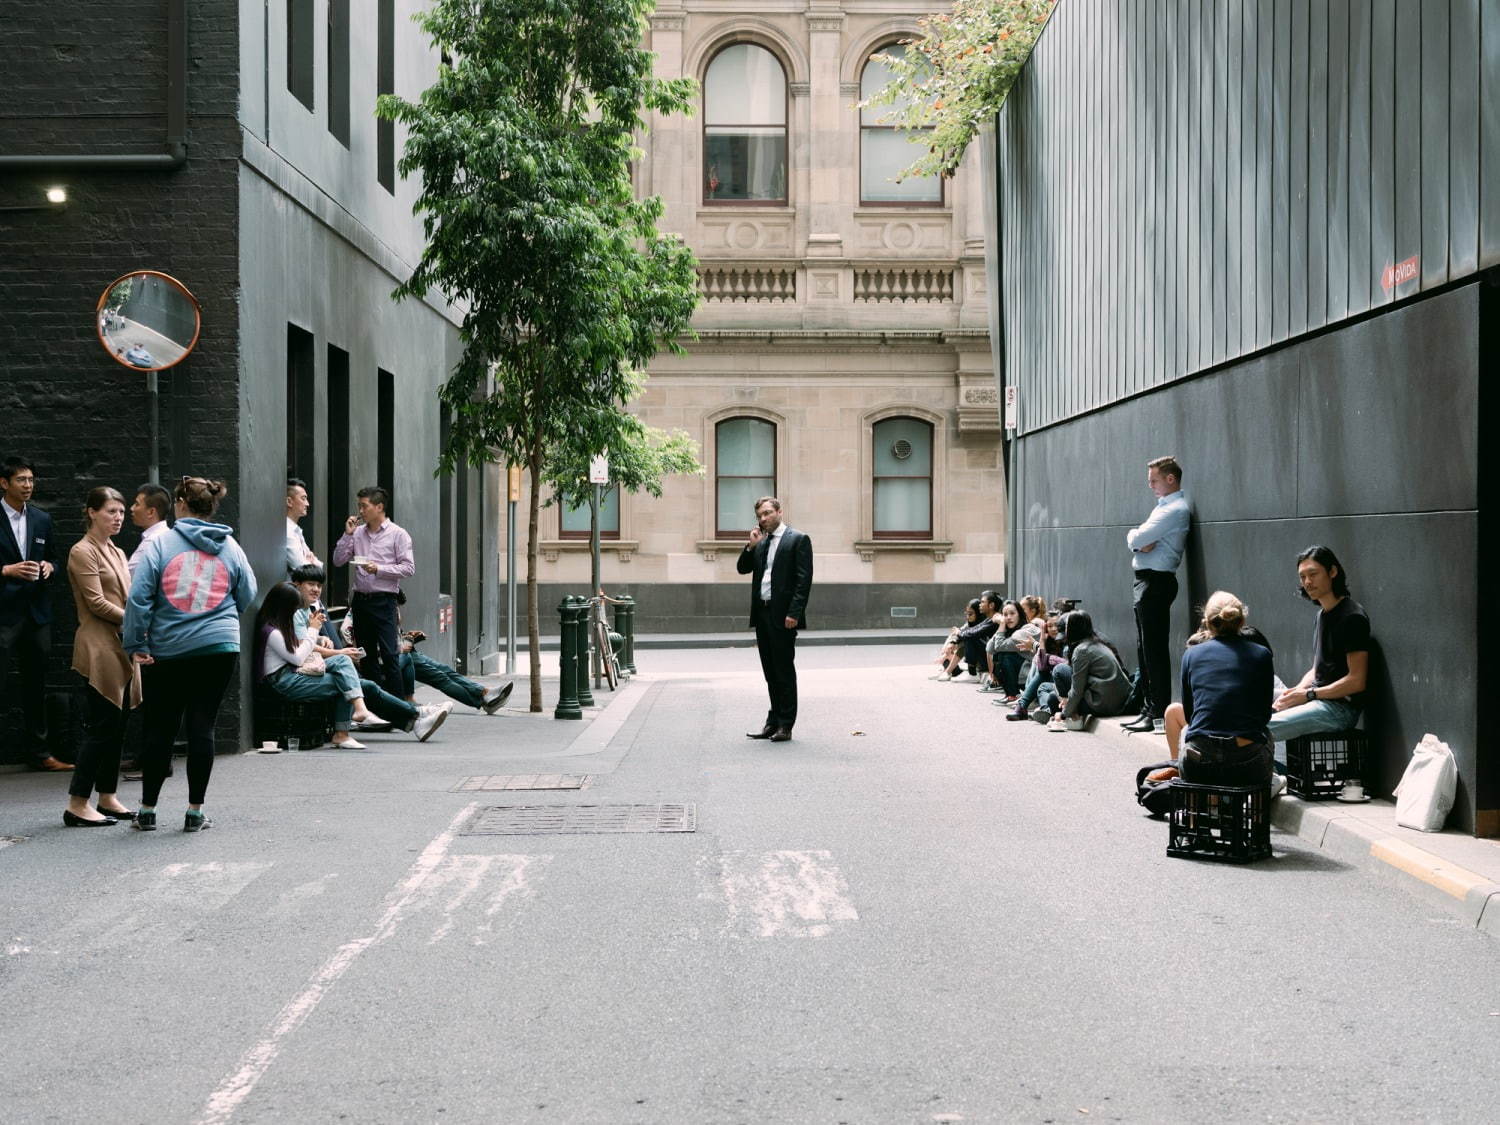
(1184, 182)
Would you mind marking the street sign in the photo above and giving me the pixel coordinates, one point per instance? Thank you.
(1012, 394)
(599, 469)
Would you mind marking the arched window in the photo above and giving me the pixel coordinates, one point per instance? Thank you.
(884, 150)
(744, 127)
(903, 479)
(744, 471)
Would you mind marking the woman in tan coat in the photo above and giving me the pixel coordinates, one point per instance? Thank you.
(100, 579)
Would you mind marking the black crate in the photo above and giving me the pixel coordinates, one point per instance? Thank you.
(278, 718)
(1317, 765)
(1231, 824)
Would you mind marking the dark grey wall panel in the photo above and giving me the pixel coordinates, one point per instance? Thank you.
(1313, 442)
(1186, 182)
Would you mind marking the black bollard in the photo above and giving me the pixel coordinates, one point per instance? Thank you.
(585, 637)
(625, 624)
(568, 611)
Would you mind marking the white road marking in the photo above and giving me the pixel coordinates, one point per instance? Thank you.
(232, 1092)
(785, 894)
(460, 879)
(176, 899)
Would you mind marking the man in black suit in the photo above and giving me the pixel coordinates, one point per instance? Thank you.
(26, 567)
(781, 560)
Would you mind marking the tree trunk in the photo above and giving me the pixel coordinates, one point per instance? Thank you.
(533, 615)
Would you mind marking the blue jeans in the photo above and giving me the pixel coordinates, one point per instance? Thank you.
(393, 710)
(1062, 683)
(1310, 718)
(416, 668)
(305, 689)
(1033, 685)
(1008, 670)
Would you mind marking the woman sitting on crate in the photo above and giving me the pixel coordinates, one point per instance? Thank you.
(1227, 684)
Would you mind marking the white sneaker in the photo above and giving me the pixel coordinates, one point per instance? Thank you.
(428, 721)
(944, 678)
(1079, 723)
(1278, 784)
(495, 698)
(1058, 724)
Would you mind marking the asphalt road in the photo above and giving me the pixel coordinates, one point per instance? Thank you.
(913, 912)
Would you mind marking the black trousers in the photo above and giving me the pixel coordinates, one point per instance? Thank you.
(375, 631)
(1155, 591)
(27, 645)
(778, 663)
(98, 765)
(191, 687)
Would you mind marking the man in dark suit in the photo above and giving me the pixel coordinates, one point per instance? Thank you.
(26, 567)
(780, 559)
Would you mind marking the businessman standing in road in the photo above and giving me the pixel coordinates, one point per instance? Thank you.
(780, 560)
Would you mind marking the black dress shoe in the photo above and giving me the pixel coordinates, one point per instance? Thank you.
(73, 821)
(767, 731)
(783, 734)
(1143, 725)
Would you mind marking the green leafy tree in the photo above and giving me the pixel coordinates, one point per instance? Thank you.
(954, 77)
(523, 146)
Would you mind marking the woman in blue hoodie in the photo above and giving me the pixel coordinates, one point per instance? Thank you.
(182, 624)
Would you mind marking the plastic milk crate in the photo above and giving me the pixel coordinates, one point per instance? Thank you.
(278, 718)
(1317, 765)
(1220, 822)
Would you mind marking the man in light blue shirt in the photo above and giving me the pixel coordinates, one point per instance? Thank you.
(1155, 550)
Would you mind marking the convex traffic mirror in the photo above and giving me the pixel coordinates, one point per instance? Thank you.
(148, 320)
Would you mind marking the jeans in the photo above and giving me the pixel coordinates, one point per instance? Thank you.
(98, 765)
(1033, 685)
(416, 668)
(375, 632)
(1155, 590)
(307, 689)
(1008, 670)
(1310, 718)
(1207, 760)
(1048, 695)
(193, 687)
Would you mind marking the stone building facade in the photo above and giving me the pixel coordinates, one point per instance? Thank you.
(842, 352)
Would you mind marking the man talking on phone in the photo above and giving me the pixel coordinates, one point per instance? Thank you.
(780, 560)
(382, 556)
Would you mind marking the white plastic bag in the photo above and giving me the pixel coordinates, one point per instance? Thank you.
(1425, 796)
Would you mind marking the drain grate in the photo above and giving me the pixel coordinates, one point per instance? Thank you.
(503, 781)
(566, 820)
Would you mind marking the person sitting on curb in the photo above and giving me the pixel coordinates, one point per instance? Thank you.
(973, 636)
(1227, 689)
(1329, 696)
(1007, 650)
(1095, 682)
(952, 659)
(1046, 656)
(417, 668)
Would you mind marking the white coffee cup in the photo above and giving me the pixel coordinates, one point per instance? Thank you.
(1352, 791)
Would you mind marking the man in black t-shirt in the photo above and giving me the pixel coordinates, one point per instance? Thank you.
(1330, 694)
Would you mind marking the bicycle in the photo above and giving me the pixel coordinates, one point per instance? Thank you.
(600, 639)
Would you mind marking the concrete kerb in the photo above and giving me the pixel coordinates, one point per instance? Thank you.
(1395, 860)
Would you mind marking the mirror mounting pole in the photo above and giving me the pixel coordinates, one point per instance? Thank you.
(153, 414)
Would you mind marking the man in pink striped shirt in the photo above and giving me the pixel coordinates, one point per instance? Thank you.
(382, 556)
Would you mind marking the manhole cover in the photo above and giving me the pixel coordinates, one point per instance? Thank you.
(501, 781)
(563, 820)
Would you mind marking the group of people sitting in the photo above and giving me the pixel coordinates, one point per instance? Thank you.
(1056, 668)
(1053, 667)
(302, 656)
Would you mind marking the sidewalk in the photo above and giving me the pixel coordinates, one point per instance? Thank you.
(1450, 870)
(745, 638)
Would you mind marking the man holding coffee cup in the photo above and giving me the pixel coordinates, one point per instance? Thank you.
(26, 567)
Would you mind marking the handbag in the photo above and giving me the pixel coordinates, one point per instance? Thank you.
(312, 666)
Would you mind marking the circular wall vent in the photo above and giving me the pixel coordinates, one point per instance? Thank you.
(900, 449)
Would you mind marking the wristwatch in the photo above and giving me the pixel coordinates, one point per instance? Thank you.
(1312, 693)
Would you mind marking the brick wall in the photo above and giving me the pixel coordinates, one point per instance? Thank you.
(90, 77)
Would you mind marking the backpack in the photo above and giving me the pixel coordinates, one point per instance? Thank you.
(1154, 796)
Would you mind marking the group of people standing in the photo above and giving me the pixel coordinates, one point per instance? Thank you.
(1233, 710)
(161, 631)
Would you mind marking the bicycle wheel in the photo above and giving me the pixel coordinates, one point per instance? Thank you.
(606, 652)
